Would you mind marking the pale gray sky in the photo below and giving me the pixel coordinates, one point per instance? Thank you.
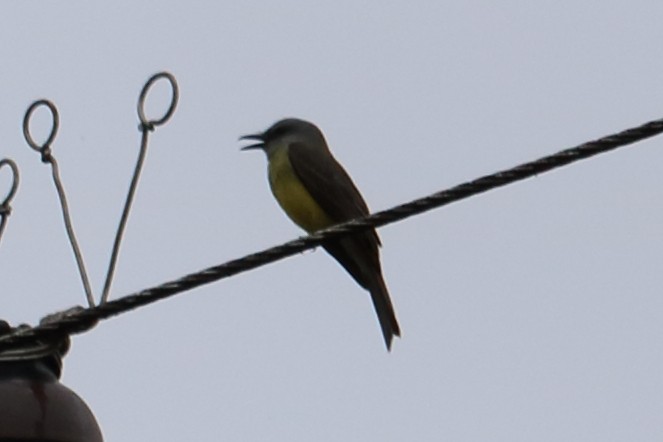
(528, 313)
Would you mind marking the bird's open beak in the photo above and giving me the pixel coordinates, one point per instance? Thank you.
(258, 137)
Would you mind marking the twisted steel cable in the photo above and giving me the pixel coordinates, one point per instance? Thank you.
(78, 320)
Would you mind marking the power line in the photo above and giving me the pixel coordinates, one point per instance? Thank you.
(80, 319)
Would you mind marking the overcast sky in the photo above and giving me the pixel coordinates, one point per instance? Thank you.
(532, 312)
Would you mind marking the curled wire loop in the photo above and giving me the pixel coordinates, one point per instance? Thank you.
(146, 126)
(4, 205)
(45, 148)
(46, 157)
(175, 96)
(51, 348)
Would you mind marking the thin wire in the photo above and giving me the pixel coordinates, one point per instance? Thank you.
(81, 320)
(47, 157)
(146, 126)
(5, 206)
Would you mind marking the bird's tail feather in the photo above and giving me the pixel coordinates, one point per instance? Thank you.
(384, 310)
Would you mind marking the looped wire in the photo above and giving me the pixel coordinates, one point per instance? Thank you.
(150, 125)
(14, 187)
(146, 126)
(50, 350)
(5, 206)
(44, 150)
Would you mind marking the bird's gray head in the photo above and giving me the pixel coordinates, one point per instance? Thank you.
(284, 132)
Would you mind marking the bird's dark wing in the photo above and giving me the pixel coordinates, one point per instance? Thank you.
(327, 182)
(332, 188)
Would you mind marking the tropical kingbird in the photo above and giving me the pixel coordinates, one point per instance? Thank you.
(316, 192)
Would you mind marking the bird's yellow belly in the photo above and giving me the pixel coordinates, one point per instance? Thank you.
(293, 197)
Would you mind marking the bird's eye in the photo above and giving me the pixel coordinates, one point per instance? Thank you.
(279, 131)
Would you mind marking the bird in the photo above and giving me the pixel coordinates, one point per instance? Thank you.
(316, 192)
